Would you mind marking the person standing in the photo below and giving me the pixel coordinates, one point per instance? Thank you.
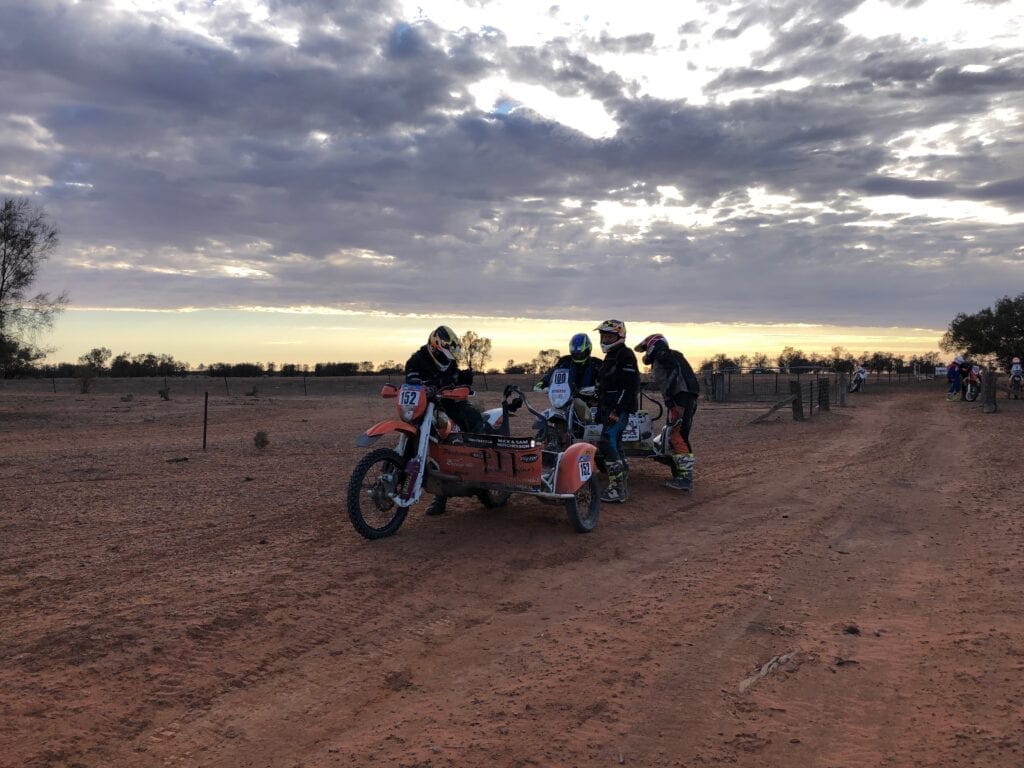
(965, 376)
(617, 390)
(953, 377)
(675, 379)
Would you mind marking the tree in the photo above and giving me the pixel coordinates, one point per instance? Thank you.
(26, 240)
(476, 350)
(518, 368)
(997, 331)
(545, 360)
(793, 361)
(389, 366)
(720, 362)
(95, 360)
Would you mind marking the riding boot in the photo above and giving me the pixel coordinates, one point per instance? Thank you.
(682, 472)
(615, 491)
(437, 506)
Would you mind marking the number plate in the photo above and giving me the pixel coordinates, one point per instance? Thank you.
(586, 468)
(409, 397)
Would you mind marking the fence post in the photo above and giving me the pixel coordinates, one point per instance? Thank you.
(990, 392)
(798, 402)
(841, 388)
(719, 383)
(823, 402)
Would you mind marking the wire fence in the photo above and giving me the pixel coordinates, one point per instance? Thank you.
(758, 385)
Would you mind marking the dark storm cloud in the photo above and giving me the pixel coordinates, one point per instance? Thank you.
(354, 169)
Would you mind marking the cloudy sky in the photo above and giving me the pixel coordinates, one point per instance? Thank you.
(290, 170)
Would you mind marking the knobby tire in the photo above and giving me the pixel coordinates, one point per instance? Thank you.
(373, 498)
(584, 508)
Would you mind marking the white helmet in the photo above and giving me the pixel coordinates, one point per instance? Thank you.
(959, 359)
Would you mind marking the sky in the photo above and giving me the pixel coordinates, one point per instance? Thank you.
(312, 180)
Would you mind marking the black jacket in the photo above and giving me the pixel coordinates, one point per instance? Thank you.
(674, 375)
(421, 369)
(585, 374)
(620, 381)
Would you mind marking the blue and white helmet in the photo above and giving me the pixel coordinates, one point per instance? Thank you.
(580, 347)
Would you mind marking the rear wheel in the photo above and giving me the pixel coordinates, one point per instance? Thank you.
(972, 393)
(584, 508)
(371, 508)
(493, 499)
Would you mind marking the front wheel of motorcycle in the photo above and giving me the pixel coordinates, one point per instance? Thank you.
(371, 508)
(972, 394)
(584, 507)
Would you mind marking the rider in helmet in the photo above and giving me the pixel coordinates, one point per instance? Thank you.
(584, 371)
(617, 390)
(1015, 367)
(953, 377)
(1016, 379)
(435, 365)
(674, 376)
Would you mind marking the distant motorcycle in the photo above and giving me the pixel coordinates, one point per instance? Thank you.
(859, 377)
(973, 384)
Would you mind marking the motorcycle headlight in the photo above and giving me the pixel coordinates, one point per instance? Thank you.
(408, 412)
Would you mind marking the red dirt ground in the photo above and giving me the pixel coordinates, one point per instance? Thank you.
(221, 610)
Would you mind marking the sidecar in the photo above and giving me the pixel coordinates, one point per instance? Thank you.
(466, 464)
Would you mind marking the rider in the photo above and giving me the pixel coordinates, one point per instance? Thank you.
(1016, 372)
(584, 371)
(674, 376)
(617, 391)
(860, 375)
(953, 377)
(965, 376)
(433, 365)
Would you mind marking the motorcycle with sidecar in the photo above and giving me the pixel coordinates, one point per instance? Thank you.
(571, 418)
(431, 455)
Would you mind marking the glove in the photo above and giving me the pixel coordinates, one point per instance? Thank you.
(538, 387)
(613, 417)
(431, 393)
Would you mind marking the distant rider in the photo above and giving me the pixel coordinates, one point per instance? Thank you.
(584, 371)
(965, 376)
(1016, 377)
(860, 375)
(617, 391)
(953, 377)
(675, 379)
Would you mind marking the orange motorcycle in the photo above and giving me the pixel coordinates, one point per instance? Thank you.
(431, 455)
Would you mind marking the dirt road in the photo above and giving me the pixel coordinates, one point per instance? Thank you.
(844, 592)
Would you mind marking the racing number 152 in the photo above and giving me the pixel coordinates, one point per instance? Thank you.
(585, 468)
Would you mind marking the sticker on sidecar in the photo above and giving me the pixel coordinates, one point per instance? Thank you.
(586, 468)
(530, 458)
(513, 443)
(632, 431)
